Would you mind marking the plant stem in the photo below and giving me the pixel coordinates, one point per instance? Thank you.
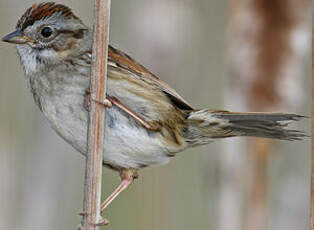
(93, 171)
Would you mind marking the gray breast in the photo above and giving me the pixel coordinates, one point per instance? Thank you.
(127, 144)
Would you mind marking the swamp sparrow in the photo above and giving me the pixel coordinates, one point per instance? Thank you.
(147, 122)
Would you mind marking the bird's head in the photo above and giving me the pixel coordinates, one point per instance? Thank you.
(47, 34)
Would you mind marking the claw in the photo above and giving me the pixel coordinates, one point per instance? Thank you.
(105, 103)
(87, 101)
(87, 97)
(82, 214)
(102, 222)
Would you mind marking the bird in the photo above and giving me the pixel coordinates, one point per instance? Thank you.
(147, 122)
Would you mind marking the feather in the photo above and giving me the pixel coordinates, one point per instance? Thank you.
(125, 61)
(43, 10)
(206, 125)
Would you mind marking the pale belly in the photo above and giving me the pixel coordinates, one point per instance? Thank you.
(126, 144)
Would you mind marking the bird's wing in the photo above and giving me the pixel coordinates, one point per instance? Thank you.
(125, 61)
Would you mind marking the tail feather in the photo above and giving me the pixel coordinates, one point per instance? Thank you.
(205, 125)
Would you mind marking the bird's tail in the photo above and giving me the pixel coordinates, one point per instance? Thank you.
(206, 125)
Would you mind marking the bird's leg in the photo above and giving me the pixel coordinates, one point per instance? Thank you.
(109, 101)
(127, 177)
(154, 126)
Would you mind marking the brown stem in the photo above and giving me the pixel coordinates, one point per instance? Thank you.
(92, 190)
(312, 187)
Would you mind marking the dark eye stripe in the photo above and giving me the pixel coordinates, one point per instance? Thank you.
(76, 33)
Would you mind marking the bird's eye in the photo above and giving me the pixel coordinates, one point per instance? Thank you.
(46, 32)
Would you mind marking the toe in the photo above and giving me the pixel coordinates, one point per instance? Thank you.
(102, 222)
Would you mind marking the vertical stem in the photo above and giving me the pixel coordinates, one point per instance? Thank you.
(92, 191)
(312, 181)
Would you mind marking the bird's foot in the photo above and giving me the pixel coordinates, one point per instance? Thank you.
(87, 98)
(103, 222)
(106, 103)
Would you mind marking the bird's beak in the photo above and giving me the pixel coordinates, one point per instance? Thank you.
(16, 37)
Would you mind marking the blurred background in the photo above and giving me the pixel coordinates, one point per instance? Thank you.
(241, 55)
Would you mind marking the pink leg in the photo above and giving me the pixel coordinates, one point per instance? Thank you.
(152, 125)
(127, 177)
(109, 101)
(124, 184)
